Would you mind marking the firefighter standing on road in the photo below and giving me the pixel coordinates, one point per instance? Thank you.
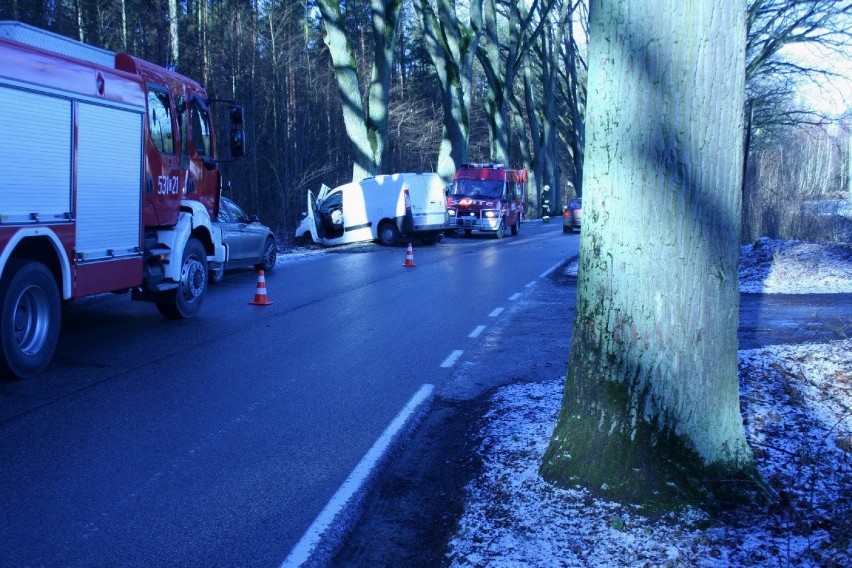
(545, 204)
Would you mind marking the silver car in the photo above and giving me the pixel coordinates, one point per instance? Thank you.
(249, 242)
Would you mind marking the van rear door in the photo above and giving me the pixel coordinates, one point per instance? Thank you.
(312, 218)
(433, 210)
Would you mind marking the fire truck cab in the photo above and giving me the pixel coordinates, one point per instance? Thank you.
(487, 198)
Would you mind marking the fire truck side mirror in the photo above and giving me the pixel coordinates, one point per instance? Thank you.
(236, 114)
(238, 142)
(238, 133)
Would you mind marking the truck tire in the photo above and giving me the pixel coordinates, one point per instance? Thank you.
(501, 229)
(516, 228)
(29, 320)
(185, 301)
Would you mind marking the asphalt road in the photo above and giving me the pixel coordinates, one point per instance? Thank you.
(216, 441)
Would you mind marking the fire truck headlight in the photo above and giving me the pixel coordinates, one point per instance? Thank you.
(490, 214)
(451, 212)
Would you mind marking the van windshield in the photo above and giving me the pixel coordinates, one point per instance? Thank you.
(477, 187)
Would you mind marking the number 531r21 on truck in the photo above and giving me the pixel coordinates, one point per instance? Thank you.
(108, 182)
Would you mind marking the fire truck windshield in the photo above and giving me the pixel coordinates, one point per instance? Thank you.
(477, 187)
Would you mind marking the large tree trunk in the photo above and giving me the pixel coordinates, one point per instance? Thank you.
(652, 397)
(451, 47)
(576, 96)
(495, 101)
(365, 127)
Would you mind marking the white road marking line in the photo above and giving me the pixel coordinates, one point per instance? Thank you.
(496, 312)
(451, 360)
(531, 284)
(303, 549)
(547, 272)
(475, 333)
(514, 296)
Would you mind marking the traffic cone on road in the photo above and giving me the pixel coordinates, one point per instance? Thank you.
(260, 298)
(409, 257)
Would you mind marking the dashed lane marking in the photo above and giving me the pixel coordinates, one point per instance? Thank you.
(451, 360)
(475, 333)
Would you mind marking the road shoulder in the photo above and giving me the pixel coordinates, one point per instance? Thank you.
(413, 505)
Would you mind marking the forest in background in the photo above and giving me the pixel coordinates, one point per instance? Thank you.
(526, 88)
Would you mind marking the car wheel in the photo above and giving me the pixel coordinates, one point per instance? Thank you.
(217, 272)
(270, 256)
(30, 313)
(388, 233)
(185, 301)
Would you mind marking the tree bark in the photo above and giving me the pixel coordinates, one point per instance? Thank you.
(651, 398)
(575, 103)
(174, 39)
(451, 47)
(524, 24)
(366, 127)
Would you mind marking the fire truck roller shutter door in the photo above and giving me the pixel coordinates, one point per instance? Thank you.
(108, 173)
(42, 127)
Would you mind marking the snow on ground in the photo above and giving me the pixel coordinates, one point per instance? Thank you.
(797, 407)
(795, 267)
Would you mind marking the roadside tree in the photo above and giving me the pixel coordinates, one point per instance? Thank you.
(452, 45)
(365, 118)
(651, 404)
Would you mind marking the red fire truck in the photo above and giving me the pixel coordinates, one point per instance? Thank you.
(487, 197)
(109, 181)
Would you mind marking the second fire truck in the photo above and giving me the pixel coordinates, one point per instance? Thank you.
(488, 198)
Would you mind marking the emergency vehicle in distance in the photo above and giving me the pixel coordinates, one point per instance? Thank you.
(488, 198)
(109, 183)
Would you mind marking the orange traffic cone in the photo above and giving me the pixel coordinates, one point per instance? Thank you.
(260, 298)
(409, 257)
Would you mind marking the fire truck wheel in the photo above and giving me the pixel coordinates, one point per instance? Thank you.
(501, 230)
(186, 300)
(270, 256)
(30, 320)
(516, 228)
(388, 233)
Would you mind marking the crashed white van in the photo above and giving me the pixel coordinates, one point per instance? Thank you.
(385, 208)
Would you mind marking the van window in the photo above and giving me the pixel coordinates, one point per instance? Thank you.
(160, 121)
